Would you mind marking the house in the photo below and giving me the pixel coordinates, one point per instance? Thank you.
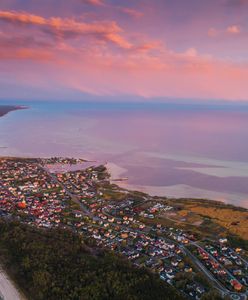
(163, 276)
(238, 250)
(236, 285)
(170, 275)
(200, 289)
(237, 272)
(188, 269)
(78, 214)
(124, 235)
(174, 263)
(223, 240)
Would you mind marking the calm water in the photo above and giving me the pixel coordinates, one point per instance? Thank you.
(175, 150)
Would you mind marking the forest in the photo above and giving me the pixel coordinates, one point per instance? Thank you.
(57, 264)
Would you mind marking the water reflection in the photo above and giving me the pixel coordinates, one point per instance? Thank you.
(160, 146)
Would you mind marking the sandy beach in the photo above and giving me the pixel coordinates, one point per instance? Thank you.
(115, 171)
(8, 290)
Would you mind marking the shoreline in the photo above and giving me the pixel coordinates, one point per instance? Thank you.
(8, 287)
(86, 203)
(218, 188)
(176, 192)
(179, 191)
(5, 109)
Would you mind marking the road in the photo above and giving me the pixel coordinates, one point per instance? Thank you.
(222, 289)
(216, 261)
(8, 291)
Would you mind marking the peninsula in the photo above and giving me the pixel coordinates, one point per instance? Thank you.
(4, 109)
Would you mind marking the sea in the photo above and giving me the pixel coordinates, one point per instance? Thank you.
(177, 150)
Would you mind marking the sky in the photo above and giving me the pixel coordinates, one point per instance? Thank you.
(60, 49)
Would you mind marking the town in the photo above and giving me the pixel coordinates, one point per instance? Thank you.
(86, 201)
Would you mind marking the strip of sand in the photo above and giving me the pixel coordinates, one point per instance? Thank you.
(8, 291)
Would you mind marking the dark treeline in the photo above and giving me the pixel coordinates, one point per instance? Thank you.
(55, 264)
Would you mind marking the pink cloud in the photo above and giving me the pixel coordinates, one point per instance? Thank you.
(131, 12)
(169, 74)
(191, 52)
(69, 28)
(24, 47)
(230, 30)
(233, 29)
(212, 32)
(93, 2)
(96, 54)
(95, 71)
(26, 53)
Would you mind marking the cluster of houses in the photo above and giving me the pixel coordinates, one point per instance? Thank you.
(144, 249)
(28, 191)
(116, 225)
(225, 264)
(151, 211)
(41, 198)
(233, 262)
(61, 160)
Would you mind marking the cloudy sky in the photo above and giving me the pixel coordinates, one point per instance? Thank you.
(57, 49)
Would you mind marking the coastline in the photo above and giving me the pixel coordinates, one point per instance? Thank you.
(179, 191)
(8, 289)
(5, 109)
(87, 203)
(115, 171)
(28, 134)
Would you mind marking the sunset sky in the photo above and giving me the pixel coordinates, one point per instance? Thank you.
(66, 49)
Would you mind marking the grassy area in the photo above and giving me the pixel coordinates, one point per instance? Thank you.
(207, 218)
(233, 220)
